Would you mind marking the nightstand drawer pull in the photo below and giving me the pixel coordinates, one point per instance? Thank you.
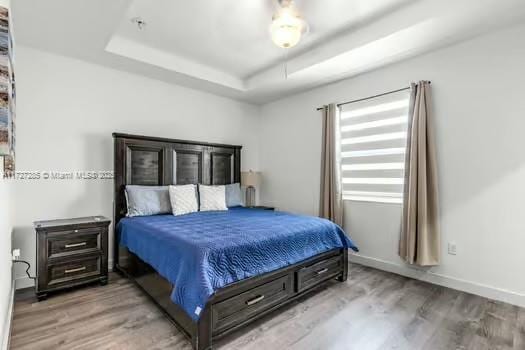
(320, 272)
(76, 231)
(75, 270)
(73, 245)
(255, 300)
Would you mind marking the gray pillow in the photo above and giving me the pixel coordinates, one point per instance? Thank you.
(234, 195)
(147, 200)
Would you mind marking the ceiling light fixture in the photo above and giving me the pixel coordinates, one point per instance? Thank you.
(287, 25)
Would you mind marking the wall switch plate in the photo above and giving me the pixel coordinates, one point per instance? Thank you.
(452, 248)
(16, 254)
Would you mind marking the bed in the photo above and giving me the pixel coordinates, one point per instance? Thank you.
(214, 272)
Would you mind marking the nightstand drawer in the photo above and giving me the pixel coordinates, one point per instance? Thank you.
(81, 241)
(73, 269)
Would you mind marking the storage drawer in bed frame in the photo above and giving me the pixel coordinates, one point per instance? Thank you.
(242, 302)
(239, 308)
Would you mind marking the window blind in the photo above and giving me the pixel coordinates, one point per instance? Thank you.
(373, 144)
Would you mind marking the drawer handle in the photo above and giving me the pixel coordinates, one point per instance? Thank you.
(255, 300)
(75, 270)
(73, 245)
(320, 272)
(76, 231)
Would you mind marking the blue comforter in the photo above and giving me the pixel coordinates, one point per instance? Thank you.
(202, 252)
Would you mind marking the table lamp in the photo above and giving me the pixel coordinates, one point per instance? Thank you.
(250, 180)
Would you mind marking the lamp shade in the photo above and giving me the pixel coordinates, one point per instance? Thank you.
(250, 178)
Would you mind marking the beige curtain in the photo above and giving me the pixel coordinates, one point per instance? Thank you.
(331, 199)
(420, 235)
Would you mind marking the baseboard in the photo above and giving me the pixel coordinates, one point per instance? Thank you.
(22, 282)
(407, 271)
(442, 280)
(8, 320)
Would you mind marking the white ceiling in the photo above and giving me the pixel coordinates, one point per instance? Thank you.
(224, 46)
(233, 35)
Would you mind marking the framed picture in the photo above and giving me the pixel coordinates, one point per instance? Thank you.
(7, 92)
(9, 166)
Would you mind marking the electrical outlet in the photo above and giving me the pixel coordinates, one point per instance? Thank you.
(452, 248)
(16, 254)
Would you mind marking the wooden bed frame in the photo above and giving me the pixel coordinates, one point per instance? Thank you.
(141, 160)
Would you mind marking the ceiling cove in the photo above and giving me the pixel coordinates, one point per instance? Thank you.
(225, 47)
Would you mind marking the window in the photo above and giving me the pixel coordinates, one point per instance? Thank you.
(373, 143)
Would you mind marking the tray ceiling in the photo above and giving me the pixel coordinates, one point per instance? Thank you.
(224, 46)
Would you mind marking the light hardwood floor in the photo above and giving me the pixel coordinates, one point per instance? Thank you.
(372, 310)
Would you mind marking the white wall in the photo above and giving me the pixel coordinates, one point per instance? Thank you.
(6, 215)
(6, 211)
(67, 110)
(479, 99)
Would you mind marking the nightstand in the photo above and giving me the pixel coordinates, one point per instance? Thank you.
(262, 207)
(71, 252)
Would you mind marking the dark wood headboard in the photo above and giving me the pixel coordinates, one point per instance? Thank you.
(155, 161)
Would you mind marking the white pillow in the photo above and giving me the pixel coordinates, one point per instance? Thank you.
(212, 198)
(183, 199)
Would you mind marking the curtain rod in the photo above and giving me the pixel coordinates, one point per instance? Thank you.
(370, 97)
